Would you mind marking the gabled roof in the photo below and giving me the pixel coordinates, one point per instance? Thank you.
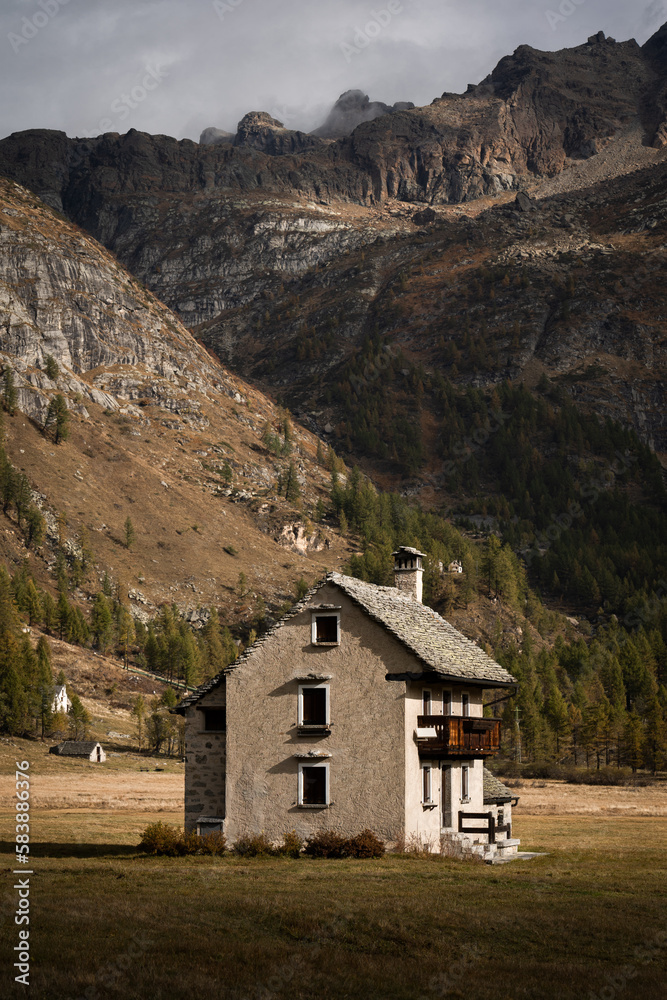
(440, 647)
(494, 790)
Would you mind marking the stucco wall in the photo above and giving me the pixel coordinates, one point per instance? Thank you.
(367, 747)
(424, 824)
(205, 763)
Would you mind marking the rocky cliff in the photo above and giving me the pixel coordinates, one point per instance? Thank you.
(284, 252)
(160, 432)
(351, 109)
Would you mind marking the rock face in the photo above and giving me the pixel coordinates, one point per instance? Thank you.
(63, 295)
(258, 130)
(535, 114)
(351, 109)
(215, 136)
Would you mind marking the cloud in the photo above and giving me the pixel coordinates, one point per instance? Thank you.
(67, 64)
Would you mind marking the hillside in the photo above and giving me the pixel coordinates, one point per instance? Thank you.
(160, 432)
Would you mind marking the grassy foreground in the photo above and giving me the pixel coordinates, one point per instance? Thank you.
(111, 921)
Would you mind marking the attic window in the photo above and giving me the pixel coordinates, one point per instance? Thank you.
(325, 628)
(215, 720)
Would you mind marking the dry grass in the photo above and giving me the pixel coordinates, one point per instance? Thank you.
(399, 927)
(556, 798)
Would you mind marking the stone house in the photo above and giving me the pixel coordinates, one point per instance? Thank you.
(361, 708)
(89, 749)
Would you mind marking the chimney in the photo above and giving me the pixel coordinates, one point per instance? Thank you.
(408, 571)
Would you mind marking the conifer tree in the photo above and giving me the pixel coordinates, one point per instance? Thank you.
(129, 533)
(101, 623)
(57, 419)
(9, 393)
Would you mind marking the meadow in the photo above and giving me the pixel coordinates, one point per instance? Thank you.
(586, 920)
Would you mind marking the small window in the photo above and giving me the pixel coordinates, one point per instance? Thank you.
(326, 629)
(313, 785)
(426, 702)
(465, 784)
(215, 720)
(465, 705)
(427, 796)
(314, 705)
(446, 702)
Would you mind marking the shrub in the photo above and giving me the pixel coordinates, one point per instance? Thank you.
(214, 843)
(327, 844)
(255, 845)
(291, 846)
(160, 838)
(365, 845)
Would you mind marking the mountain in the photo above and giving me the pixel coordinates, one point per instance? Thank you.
(351, 109)
(160, 433)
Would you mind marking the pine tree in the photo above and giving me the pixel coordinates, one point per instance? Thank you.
(57, 417)
(291, 484)
(215, 656)
(22, 498)
(45, 682)
(49, 612)
(126, 632)
(9, 393)
(35, 527)
(8, 480)
(63, 613)
(79, 719)
(51, 368)
(33, 604)
(129, 533)
(101, 623)
(139, 711)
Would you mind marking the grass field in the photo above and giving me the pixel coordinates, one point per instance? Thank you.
(107, 919)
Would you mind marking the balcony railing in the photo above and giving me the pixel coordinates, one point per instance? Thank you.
(459, 736)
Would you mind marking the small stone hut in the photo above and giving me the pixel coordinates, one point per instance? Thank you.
(89, 749)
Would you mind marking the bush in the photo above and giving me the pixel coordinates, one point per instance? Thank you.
(291, 846)
(253, 846)
(365, 845)
(326, 844)
(159, 838)
(213, 843)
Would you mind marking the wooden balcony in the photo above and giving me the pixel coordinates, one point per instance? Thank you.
(456, 736)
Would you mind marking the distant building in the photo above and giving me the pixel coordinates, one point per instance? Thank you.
(361, 708)
(89, 749)
(455, 567)
(61, 702)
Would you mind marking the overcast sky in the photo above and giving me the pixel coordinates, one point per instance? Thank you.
(177, 66)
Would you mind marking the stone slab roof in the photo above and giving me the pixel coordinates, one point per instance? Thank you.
(75, 748)
(494, 790)
(441, 648)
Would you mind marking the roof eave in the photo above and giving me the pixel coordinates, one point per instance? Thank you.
(436, 676)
